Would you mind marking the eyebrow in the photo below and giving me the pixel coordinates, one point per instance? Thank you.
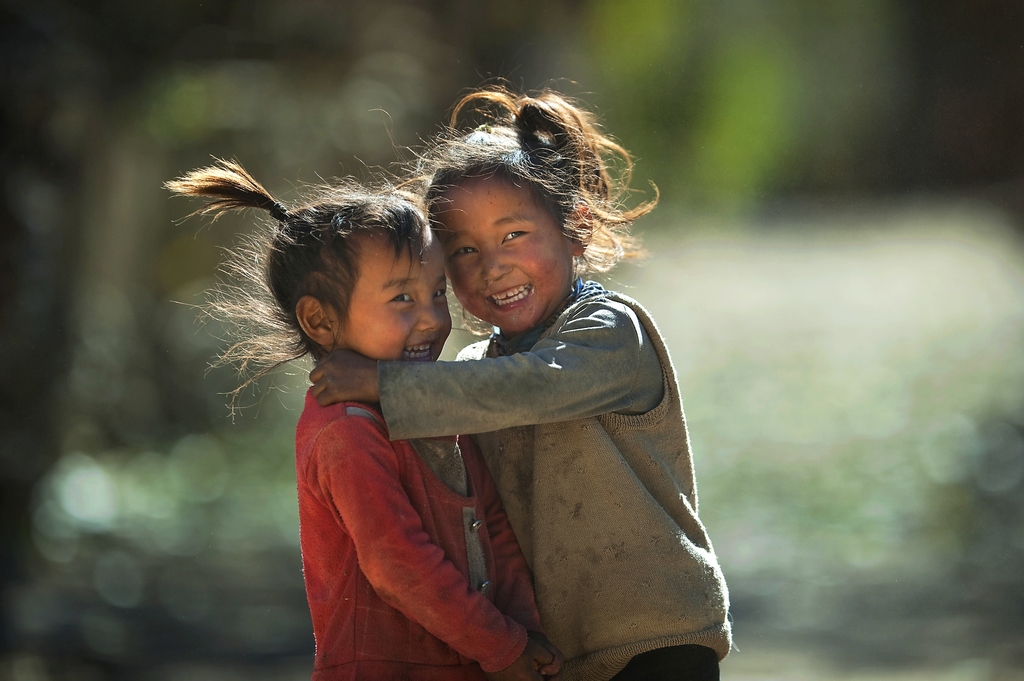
(401, 282)
(513, 217)
(397, 283)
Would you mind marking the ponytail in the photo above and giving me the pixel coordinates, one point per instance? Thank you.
(573, 134)
(312, 249)
(233, 186)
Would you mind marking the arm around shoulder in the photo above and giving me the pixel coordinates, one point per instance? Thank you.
(597, 360)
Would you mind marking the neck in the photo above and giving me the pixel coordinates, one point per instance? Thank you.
(524, 341)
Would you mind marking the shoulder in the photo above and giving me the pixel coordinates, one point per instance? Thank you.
(340, 424)
(610, 314)
(614, 303)
(352, 442)
(476, 350)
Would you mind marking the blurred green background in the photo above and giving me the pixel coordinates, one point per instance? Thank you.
(837, 263)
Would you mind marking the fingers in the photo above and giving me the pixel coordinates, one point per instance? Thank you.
(316, 374)
(321, 380)
(547, 660)
(344, 375)
(543, 663)
(320, 371)
(520, 670)
(322, 394)
(552, 667)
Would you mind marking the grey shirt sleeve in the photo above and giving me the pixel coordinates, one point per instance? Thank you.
(598, 360)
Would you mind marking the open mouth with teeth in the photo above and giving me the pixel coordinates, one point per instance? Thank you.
(513, 295)
(418, 353)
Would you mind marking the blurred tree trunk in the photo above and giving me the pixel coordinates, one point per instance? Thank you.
(962, 127)
(39, 184)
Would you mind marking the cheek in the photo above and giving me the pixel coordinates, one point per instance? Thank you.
(466, 296)
(461, 280)
(446, 319)
(545, 266)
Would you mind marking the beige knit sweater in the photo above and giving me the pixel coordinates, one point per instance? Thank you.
(602, 499)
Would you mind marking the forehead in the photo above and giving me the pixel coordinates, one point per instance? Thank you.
(481, 202)
(483, 192)
(379, 260)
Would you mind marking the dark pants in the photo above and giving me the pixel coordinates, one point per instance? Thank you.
(681, 663)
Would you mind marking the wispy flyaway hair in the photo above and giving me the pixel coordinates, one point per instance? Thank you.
(310, 248)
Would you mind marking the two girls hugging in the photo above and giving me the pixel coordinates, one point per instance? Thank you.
(560, 538)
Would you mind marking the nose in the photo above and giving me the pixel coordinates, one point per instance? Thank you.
(432, 316)
(493, 265)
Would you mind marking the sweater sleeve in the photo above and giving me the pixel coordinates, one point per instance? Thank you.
(358, 471)
(600, 360)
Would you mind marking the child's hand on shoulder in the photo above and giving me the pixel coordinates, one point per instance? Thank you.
(345, 376)
(539, 660)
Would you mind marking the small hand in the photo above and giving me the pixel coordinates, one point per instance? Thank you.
(539, 660)
(551, 668)
(345, 376)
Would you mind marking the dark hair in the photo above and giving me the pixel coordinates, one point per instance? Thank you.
(311, 250)
(552, 146)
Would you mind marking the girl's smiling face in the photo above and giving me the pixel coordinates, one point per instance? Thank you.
(398, 309)
(509, 262)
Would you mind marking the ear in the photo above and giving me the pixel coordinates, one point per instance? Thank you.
(584, 221)
(578, 248)
(317, 322)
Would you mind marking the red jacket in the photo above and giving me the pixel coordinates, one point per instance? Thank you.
(384, 558)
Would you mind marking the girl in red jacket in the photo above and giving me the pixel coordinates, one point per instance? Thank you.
(411, 568)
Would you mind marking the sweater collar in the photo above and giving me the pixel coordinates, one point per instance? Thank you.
(501, 345)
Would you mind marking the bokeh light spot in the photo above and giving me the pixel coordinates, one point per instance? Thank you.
(86, 491)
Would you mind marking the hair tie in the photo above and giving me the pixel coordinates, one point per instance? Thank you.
(278, 211)
(543, 138)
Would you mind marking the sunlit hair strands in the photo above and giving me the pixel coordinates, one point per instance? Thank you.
(310, 248)
(550, 144)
